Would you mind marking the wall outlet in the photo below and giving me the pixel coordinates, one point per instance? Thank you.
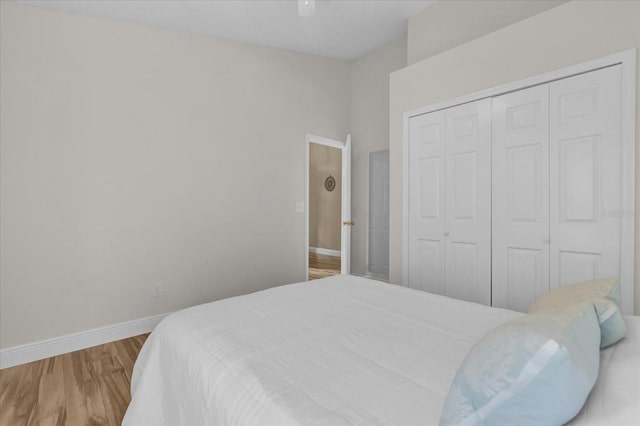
(157, 290)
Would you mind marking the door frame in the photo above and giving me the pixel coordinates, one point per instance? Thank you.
(627, 61)
(345, 202)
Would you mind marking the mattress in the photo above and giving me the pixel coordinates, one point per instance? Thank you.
(339, 351)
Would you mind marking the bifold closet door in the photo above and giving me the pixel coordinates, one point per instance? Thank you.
(520, 227)
(449, 202)
(468, 202)
(586, 173)
(426, 202)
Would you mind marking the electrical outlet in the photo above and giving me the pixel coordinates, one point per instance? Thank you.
(157, 290)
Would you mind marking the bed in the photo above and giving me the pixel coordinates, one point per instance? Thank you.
(338, 351)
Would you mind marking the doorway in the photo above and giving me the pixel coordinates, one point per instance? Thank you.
(378, 250)
(328, 200)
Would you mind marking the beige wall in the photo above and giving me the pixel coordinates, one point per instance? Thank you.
(447, 24)
(370, 132)
(325, 207)
(132, 155)
(568, 34)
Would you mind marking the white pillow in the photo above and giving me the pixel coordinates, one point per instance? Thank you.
(604, 294)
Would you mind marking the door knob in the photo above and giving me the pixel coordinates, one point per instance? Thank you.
(349, 223)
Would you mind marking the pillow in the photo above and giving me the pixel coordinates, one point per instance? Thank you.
(605, 296)
(535, 370)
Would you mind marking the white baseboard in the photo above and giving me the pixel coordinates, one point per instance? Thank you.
(328, 252)
(73, 342)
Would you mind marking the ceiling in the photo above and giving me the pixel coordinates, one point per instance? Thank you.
(344, 29)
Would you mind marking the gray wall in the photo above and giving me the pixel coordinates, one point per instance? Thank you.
(370, 132)
(447, 24)
(132, 155)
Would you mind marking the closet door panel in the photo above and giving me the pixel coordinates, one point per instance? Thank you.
(586, 164)
(426, 202)
(468, 202)
(520, 195)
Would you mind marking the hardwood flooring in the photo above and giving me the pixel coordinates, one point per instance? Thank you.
(90, 386)
(322, 266)
(87, 387)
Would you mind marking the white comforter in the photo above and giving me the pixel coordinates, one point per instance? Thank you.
(338, 351)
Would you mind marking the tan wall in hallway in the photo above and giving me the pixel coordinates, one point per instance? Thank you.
(325, 207)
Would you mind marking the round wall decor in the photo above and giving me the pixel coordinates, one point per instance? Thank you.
(330, 183)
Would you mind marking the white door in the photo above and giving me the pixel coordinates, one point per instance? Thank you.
(586, 167)
(467, 227)
(520, 213)
(379, 213)
(347, 223)
(427, 202)
(450, 202)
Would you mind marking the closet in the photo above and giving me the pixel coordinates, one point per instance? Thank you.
(450, 202)
(513, 195)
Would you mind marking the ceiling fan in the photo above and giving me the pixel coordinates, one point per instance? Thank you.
(306, 8)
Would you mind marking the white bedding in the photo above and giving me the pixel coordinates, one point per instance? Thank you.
(615, 398)
(339, 351)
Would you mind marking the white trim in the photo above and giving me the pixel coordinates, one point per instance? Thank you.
(306, 206)
(627, 60)
(42, 349)
(627, 224)
(327, 252)
(405, 199)
(345, 207)
(624, 58)
(324, 141)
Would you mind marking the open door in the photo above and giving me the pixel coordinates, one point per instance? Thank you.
(346, 222)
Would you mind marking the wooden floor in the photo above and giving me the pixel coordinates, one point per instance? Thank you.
(87, 387)
(322, 266)
(91, 386)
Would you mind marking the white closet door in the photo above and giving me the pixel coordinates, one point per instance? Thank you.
(586, 164)
(467, 228)
(520, 227)
(426, 202)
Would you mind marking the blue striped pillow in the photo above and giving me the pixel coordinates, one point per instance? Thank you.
(535, 370)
